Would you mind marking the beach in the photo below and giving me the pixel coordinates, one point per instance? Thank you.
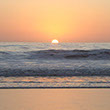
(54, 99)
(43, 76)
(54, 54)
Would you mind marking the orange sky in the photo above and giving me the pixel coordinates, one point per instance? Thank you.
(65, 20)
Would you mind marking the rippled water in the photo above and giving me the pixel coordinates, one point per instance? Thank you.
(54, 65)
(39, 82)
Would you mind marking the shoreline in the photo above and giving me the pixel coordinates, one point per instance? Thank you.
(54, 87)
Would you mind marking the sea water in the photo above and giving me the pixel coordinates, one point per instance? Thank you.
(35, 65)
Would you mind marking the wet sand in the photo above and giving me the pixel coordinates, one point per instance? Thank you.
(54, 99)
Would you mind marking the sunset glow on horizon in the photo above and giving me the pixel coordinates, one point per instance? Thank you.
(66, 20)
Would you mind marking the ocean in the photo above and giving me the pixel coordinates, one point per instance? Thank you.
(47, 65)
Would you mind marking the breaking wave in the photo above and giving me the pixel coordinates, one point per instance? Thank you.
(59, 54)
(70, 54)
(34, 63)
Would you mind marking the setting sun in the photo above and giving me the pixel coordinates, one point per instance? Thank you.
(55, 41)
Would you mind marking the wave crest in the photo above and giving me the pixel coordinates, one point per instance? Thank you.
(70, 54)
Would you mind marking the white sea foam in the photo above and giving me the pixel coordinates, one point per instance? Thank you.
(43, 59)
(69, 65)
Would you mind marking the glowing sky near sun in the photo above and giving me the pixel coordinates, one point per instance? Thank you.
(65, 20)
